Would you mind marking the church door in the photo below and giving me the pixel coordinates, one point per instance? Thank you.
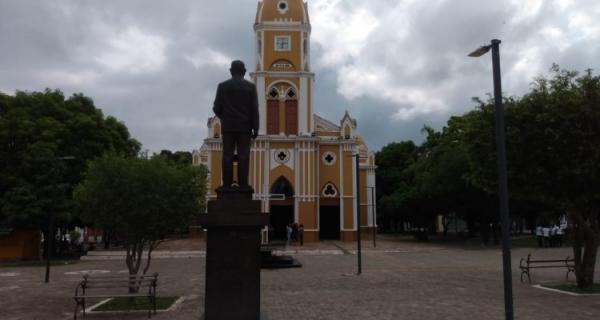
(329, 223)
(291, 117)
(273, 117)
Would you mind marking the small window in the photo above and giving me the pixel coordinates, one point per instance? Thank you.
(291, 94)
(273, 93)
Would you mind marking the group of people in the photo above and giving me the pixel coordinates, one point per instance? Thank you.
(549, 236)
(295, 233)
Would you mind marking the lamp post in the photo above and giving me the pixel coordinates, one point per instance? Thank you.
(358, 253)
(50, 239)
(502, 176)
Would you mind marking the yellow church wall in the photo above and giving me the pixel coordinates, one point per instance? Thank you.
(348, 181)
(215, 171)
(293, 55)
(307, 214)
(348, 213)
(328, 173)
(363, 198)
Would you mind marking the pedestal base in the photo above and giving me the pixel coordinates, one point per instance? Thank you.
(263, 316)
(233, 226)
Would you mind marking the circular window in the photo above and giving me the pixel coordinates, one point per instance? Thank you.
(328, 158)
(282, 156)
(282, 6)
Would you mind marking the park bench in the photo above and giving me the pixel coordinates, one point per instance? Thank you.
(115, 287)
(527, 264)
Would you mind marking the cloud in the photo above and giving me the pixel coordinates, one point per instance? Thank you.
(208, 57)
(132, 50)
(394, 64)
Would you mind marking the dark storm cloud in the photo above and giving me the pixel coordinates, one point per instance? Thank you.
(394, 65)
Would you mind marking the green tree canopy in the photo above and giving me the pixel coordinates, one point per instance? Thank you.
(37, 129)
(141, 200)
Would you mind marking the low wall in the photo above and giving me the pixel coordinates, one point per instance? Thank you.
(20, 245)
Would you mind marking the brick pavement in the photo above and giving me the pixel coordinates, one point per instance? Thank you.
(399, 281)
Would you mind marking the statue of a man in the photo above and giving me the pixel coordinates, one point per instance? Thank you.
(236, 105)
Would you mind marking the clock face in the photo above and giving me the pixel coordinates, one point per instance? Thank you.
(282, 43)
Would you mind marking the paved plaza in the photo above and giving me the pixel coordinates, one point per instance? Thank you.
(400, 280)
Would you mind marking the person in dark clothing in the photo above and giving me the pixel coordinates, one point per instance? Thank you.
(236, 105)
(295, 232)
(301, 234)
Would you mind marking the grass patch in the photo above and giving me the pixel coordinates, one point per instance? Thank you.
(136, 304)
(574, 289)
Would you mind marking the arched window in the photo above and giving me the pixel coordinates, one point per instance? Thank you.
(282, 186)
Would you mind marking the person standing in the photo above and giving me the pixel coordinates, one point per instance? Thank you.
(236, 105)
(546, 233)
(288, 231)
(301, 234)
(554, 235)
(540, 236)
(295, 232)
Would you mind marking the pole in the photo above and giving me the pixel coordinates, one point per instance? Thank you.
(374, 217)
(49, 241)
(502, 181)
(359, 253)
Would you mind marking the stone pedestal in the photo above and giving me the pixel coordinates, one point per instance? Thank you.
(233, 222)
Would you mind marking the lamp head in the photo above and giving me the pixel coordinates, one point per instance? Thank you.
(480, 51)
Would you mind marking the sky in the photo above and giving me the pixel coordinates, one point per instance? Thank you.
(395, 65)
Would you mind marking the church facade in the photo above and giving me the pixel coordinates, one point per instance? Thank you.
(302, 166)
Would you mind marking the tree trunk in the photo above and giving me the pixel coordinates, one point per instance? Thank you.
(133, 260)
(585, 248)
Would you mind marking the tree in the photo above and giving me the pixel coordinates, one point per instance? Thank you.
(395, 181)
(141, 200)
(37, 129)
(553, 145)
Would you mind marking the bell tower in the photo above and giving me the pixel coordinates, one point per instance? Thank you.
(283, 77)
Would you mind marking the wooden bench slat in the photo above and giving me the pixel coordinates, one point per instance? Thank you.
(113, 296)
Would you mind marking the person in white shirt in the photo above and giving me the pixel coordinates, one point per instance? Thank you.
(540, 236)
(546, 233)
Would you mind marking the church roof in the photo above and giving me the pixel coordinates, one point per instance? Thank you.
(282, 11)
(322, 124)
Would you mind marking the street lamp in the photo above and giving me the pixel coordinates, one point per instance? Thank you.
(359, 253)
(50, 213)
(502, 177)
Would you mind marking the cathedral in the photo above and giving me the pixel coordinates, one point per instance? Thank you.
(302, 166)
